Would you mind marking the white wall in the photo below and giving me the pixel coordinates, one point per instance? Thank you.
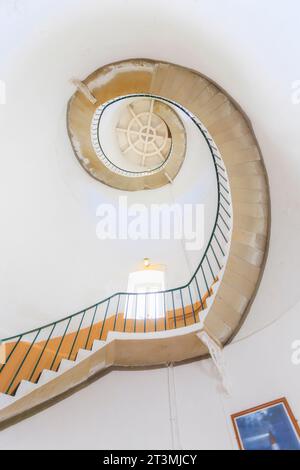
(52, 263)
(130, 409)
(249, 48)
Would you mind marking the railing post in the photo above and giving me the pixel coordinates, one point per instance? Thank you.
(104, 320)
(76, 336)
(11, 353)
(183, 309)
(117, 313)
(91, 327)
(40, 357)
(192, 304)
(23, 362)
(60, 344)
(126, 312)
(174, 312)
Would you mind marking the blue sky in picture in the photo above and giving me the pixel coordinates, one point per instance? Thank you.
(268, 429)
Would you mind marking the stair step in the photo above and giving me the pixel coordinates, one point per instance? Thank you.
(24, 388)
(212, 110)
(210, 301)
(249, 196)
(97, 344)
(243, 268)
(219, 115)
(65, 365)
(247, 253)
(242, 285)
(46, 376)
(255, 240)
(218, 327)
(254, 182)
(82, 354)
(97, 368)
(243, 167)
(226, 313)
(6, 400)
(233, 298)
(257, 225)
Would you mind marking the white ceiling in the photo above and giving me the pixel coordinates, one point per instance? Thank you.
(50, 260)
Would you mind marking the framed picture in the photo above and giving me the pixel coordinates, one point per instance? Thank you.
(271, 426)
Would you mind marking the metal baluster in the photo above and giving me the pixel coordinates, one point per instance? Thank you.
(219, 245)
(61, 342)
(192, 304)
(78, 330)
(104, 320)
(225, 210)
(219, 166)
(222, 233)
(198, 289)
(125, 313)
(11, 353)
(212, 273)
(91, 327)
(226, 200)
(117, 313)
(44, 349)
(207, 288)
(183, 309)
(214, 148)
(226, 190)
(23, 362)
(174, 313)
(223, 177)
(224, 221)
(212, 249)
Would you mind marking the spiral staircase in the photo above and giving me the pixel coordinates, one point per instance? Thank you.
(52, 359)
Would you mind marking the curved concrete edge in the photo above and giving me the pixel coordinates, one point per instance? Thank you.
(120, 349)
(236, 141)
(106, 86)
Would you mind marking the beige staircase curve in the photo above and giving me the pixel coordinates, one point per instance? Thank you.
(239, 278)
(237, 144)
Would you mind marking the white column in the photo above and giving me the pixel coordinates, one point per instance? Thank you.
(176, 444)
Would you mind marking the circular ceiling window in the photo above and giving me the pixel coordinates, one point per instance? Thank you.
(139, 140)
(143, 136)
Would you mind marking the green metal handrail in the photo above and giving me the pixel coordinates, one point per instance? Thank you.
(191, 295)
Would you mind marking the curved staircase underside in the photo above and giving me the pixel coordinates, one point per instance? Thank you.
(49, 354)
(237, 144)
(118, 350)
(230, 297)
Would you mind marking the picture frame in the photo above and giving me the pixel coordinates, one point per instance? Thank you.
(270, 426)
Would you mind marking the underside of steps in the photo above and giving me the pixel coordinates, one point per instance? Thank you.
(240, 278)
